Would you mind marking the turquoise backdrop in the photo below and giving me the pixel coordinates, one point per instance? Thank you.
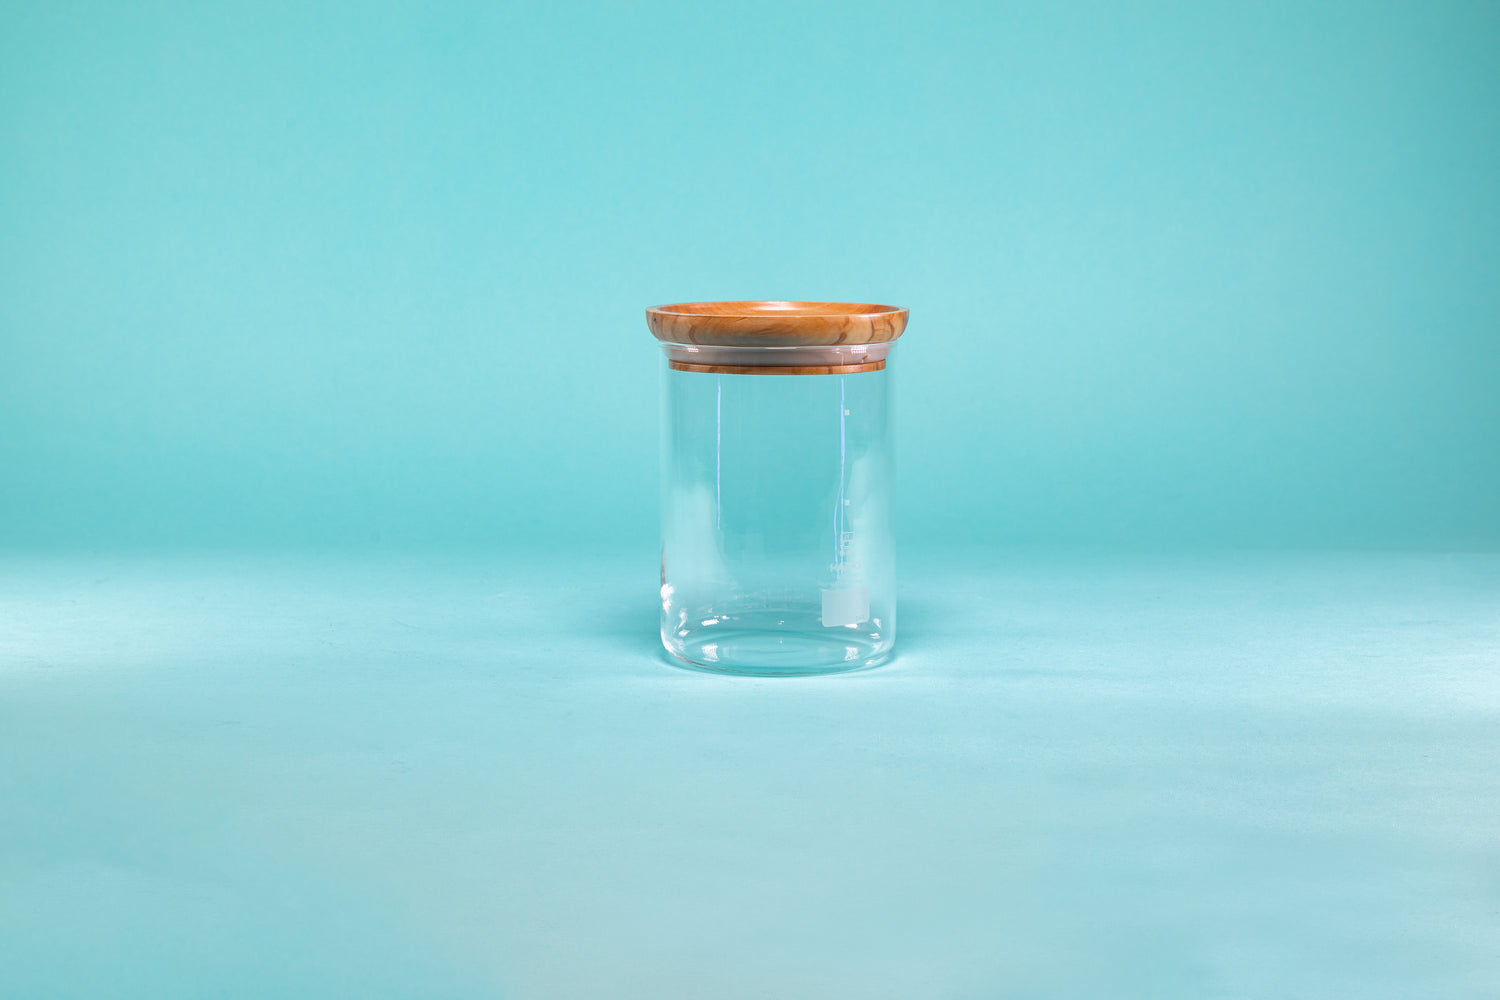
(290, 274)
(328, 582)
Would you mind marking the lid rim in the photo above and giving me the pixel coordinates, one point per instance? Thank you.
(776, 322)
(812, 308)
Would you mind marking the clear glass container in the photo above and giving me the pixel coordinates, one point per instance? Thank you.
(778, 552)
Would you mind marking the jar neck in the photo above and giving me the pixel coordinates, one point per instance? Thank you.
(803, 360)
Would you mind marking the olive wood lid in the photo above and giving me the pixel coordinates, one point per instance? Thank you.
(792, 338)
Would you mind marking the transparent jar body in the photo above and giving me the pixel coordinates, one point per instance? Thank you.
(778, 555)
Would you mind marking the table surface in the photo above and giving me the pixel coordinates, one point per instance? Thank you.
(440, 776)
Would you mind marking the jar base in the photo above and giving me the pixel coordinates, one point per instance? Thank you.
(740, 647)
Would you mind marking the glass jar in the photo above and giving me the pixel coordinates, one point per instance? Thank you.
(778, 555)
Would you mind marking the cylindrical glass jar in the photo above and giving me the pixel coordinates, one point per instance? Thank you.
(778, 555)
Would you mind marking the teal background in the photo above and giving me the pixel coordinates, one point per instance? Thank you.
(328, 424)
(315, 274)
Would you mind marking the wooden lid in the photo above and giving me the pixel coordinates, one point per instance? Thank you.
(776, 324)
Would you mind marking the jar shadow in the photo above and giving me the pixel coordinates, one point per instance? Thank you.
(629, 626)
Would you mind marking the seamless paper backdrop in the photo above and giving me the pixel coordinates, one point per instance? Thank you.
(327, 274)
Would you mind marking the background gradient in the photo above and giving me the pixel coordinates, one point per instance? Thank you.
(319, 274)
(329, 662)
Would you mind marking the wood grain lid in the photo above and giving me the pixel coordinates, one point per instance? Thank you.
(776, 324)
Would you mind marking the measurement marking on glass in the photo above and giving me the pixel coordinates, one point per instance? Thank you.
(840, 528)
(718, 452)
